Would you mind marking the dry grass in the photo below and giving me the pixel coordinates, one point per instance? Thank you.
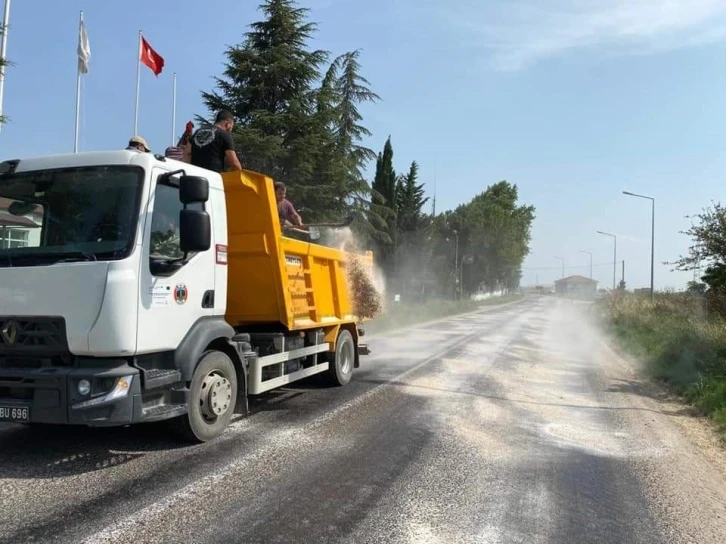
(679, 342)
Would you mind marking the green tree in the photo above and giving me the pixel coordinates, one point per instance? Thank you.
(708, 248)
(410, 201)
(269, 85)
(384, 197)
(294, 126)
(496, 232)
(696, 287)
(339, 179)
(413, 251)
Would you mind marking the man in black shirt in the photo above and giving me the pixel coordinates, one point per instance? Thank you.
(212, 146)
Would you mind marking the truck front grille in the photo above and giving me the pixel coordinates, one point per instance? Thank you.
(36, 335)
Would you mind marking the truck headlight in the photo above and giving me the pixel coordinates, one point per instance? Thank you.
(121, 389)
(84, 387)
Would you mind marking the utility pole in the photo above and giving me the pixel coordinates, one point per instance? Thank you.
(456, 260)
(590, 254)
(563, 265)
(456, 264)
(615, 254)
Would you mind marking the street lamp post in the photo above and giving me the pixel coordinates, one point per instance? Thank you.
(652, 235)
(563, 265)
(590, 254)
(456, 260)
(615, 254)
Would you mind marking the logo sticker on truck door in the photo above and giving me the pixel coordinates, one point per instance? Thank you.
(181, 293)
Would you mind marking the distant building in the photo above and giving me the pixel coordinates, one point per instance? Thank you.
(19, 230)
(642, 291)
(576, 286)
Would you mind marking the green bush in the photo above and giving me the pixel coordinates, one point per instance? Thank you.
(679, 344)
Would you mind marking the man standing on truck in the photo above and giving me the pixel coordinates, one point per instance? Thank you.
(213, 147)
(137, 143)
(287, 211)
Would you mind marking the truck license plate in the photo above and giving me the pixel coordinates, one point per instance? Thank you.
(15, 414)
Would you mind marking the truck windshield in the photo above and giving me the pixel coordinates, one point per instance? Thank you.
(82, 213)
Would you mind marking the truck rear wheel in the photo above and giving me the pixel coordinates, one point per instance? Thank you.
(341, 365)
(212, 398)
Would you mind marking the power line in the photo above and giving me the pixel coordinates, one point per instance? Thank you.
(578, 267)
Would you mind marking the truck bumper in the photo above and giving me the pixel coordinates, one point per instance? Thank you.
(51, 395)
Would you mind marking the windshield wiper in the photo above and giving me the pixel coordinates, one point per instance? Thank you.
(74, 256)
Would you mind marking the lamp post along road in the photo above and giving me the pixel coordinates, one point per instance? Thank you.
(456, 261)
(590, 254)
(563, 265)
(456, 264)
(652, 236)
(615, 254)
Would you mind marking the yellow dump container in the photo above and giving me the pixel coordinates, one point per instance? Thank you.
(274, 279)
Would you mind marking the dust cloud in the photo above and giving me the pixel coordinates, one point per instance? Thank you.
(365, 279)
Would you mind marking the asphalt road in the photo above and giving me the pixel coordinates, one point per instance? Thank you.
(515, 424)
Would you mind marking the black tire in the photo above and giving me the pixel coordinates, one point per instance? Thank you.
(206, 420)
(342, 363)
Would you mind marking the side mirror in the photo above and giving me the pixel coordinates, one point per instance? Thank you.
(314, 233)
(195, 231)
(21, 208)
(193, 189)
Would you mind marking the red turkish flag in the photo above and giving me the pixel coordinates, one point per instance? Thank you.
(151, 58)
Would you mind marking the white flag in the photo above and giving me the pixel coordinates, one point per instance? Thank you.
(84, 50)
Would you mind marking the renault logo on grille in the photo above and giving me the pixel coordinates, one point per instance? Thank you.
(10, 332)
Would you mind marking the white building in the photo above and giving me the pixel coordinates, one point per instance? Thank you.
(19, 230)
(576, 286)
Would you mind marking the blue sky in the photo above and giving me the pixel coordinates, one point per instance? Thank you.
(572, 100)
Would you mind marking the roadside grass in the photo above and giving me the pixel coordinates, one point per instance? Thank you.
(400, 314)
(678, 344)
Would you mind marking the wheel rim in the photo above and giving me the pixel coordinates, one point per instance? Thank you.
(346, 357)
(215, 396)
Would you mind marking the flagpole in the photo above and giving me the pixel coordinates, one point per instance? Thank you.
(138, 86)
(3, 48)
(78, 91)
(173, 112)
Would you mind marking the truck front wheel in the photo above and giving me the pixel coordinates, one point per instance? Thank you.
(212, 398)
(341, 365)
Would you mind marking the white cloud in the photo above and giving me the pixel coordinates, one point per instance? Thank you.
(522, 32)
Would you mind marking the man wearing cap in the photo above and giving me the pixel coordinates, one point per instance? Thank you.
(137, 143)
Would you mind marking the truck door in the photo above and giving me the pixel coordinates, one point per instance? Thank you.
(173, 295)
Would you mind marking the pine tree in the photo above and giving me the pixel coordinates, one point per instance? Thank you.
(384, 196)
(269, 85)
(339, 181)
(410, 201)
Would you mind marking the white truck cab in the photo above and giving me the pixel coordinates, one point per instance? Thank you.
(97, 281)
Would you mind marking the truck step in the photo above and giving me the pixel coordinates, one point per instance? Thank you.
(165, 411)
(156, 378)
